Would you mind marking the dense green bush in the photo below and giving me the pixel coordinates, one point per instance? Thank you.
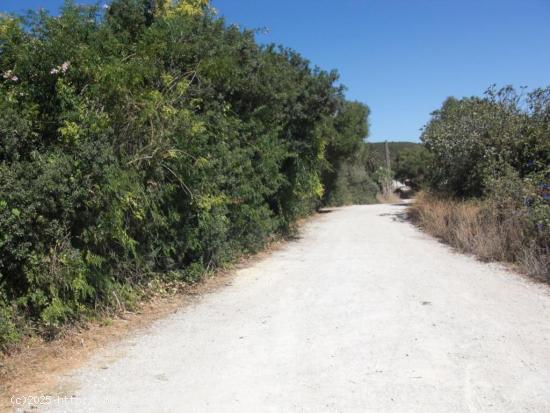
(497, 148)
(347, 178)
(352, 180)
(150, 140)
(411, 166)
(471, 139)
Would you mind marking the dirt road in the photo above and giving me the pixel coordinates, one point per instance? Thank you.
(363, 313)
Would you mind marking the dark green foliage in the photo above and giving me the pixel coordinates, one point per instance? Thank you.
(347, 179)
(497, 147)
(150, 141)
(379, 152)
(472, 138)
(354, 181)
(411, 166)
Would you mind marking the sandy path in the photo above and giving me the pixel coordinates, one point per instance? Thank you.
(362, 314)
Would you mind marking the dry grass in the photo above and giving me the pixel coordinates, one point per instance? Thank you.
(388, 198)
(35, 367)
(479, 228)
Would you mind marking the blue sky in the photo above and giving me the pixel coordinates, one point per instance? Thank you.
(401, 57)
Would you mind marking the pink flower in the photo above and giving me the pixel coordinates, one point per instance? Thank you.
(8, 75)
(60, 69)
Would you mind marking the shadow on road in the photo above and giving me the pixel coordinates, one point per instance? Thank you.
(397, 216)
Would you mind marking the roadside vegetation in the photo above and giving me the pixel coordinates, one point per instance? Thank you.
(485, 168)
(149, 141)
(395, 147)
(411, 166)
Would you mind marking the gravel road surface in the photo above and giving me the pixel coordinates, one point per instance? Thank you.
(362, 313)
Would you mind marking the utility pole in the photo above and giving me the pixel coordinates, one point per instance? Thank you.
(388, 162)
(388, 182)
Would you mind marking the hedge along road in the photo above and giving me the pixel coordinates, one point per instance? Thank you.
(363, 313)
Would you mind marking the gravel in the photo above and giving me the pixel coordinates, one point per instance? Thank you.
(363, 313)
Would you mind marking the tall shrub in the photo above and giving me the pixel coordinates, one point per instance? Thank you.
(149, 139)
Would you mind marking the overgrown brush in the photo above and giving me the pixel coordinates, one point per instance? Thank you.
(149, 140)
(352, 181)
(488, 170)
(491, 231)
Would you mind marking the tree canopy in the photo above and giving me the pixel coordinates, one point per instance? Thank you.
(150, 140)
